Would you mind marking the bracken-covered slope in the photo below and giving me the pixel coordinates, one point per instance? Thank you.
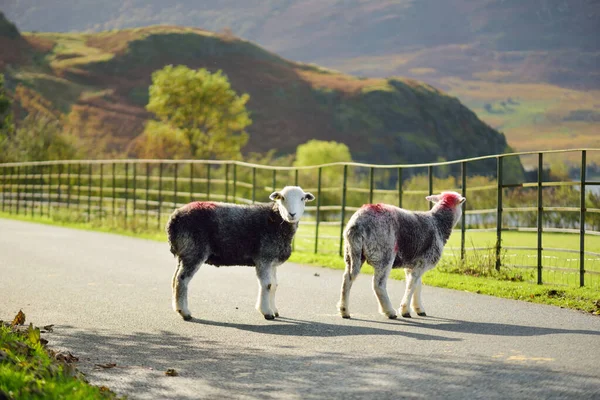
(100, 81)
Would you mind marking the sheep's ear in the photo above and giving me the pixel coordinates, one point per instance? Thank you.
(276, 196)
(434, 198)
(309, 196)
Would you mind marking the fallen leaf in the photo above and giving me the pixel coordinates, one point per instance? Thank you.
(19, 318)
(49, 328)
(66, 357)
(171, 372)
(316, 274)
(106, 366)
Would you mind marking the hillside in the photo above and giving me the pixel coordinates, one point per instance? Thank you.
(527, 68)
(100, 82)
(557, 39)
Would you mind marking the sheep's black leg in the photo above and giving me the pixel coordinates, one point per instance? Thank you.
(185, 272)
(380, 277)
(264, 273)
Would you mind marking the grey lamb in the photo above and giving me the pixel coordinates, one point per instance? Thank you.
(389, 237)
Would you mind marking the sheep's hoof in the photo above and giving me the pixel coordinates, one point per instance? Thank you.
(422, 314)
(406, 315)
(187, 317)
(269, 316)
(393, 316)
(346, 316)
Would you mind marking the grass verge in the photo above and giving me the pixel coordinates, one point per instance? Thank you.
(28, 370)
(475, 274)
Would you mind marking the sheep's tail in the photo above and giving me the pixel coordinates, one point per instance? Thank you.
(171, 229)
(353, 249)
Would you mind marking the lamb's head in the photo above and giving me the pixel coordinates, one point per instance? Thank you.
(290, 202)
(448, 200)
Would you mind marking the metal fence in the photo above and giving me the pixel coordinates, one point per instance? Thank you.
(141, 194)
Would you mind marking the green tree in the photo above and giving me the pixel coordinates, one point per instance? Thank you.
(201, 109)
(40, 138)
(316, 152)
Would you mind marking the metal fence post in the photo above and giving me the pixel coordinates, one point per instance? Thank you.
(274, 184)
(253, 184)
(59, 197)
(160, 176)
(41, 191)
(101, 205)
(134, 190)
(227, 182)
(10, 205)
(191, 182)
(234, 182)
(430, 183)
(208, 181)
(371, 177)
(582, 220)
(175, 173)
(3, 188)
(114, 188)
(344, 189)
(147, 194)
(126, 193)
(33, 190)
(318, 210)
(89, 199)
(499, 215)
(49, 188)
(540, 217)
(69, 186)
(78, 187)
(18, 202)
(400, 190)
(463, 223)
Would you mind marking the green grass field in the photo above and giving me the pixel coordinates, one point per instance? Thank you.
(558, 267)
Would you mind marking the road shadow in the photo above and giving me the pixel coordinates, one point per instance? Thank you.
(295, 327)
(242, 369)
(482, 328)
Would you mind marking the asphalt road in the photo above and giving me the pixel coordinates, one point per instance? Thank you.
(109, 299)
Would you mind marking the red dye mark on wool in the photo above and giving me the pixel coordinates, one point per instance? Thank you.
(450, 200)
(378, 208)
(202, 205)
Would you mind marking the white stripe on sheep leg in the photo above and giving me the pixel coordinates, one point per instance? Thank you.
(223, 234)
(416, 303)
(272, 292)
(264, 273)
(389, 237)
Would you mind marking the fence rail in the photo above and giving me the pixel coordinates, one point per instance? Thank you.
(143, 193)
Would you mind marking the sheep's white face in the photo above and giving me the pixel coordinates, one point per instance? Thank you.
(290, 202)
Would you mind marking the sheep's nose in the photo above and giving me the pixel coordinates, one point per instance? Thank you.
(292, 215)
